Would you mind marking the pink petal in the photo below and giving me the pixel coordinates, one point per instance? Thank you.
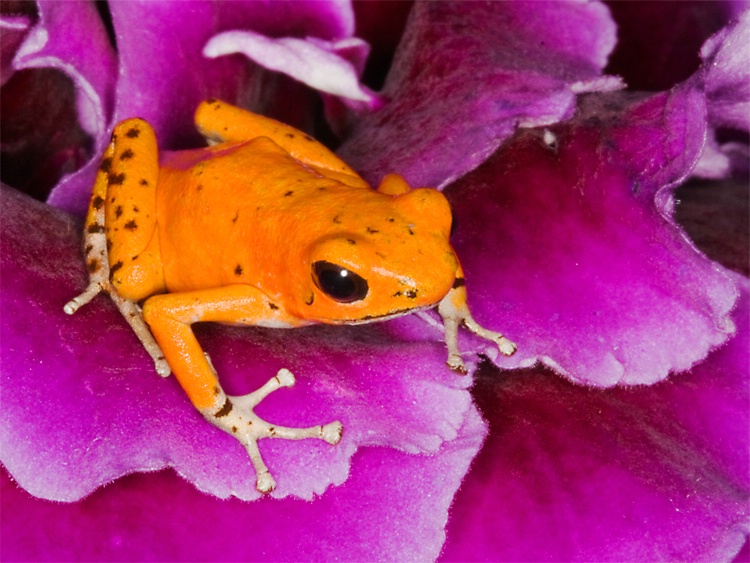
(393, 507)
(639, 474)
(163, 75)
(465, 76)
(81, 394)
(569, 247)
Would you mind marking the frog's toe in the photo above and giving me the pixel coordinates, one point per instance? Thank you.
(506, 347)
(332, 432)
(237, 417)
(456, 363)
(285, 378)
(265, 483)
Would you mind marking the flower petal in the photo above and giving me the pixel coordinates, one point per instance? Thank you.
(637, 474)
(14, 30)
(658, 42)
(313, 62)
(727, 76)
(83, 396)
(569, 248)
(163, 75)
(70, 37)
(466, 75)
(393, 508)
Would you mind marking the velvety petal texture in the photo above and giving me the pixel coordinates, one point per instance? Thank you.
(393, 508)
(569, 249)
(85, 389)
(571, 473)
(464, 79)
(567, 238)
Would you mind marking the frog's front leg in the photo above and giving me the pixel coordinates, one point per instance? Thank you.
(170, 316)
(454, 310)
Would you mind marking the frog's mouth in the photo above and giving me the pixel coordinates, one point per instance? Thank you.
(384, 317)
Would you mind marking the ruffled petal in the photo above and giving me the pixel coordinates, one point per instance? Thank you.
(569, 248)
(70, 37)
(82, 394)
(466, 75)
(163, 75)
(393, 508)
(726, 78)
(571, 473)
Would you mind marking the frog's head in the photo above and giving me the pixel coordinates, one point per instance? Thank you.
(389, 257)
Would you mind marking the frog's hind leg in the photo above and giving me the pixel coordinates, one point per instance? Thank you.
(95, 240)
(124, 199)
(220, 122)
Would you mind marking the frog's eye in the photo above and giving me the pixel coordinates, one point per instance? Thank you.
(338, 283)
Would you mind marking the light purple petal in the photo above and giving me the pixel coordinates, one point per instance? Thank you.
(727, 64)
(467, 74)
(393, 508)
(163, 75)
(313, 62)
(570, 473)
(569, 247)
(726, 74)
(82, 395)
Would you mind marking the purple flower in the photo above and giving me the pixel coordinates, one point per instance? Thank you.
(562, 185)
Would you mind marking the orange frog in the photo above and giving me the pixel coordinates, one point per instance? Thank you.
(264, 227)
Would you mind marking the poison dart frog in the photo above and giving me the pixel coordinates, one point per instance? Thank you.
(265, 227)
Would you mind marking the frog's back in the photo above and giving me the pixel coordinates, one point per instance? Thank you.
(223, 211)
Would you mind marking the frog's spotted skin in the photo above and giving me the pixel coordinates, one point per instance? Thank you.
(264, 227)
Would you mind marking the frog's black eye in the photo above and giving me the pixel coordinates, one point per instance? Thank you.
(338, 283)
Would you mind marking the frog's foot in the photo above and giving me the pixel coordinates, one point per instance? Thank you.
(132, 313)
(238, 418)
(455, 312)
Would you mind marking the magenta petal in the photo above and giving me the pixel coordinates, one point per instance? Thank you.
(163, 75)
(569, 248)
(465, 76)
(80, 393)
(393, 508)
(571, 473)
(70, 37)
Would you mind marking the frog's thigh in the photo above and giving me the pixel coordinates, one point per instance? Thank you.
(133, 171)
(219, 122)
(170, 316)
